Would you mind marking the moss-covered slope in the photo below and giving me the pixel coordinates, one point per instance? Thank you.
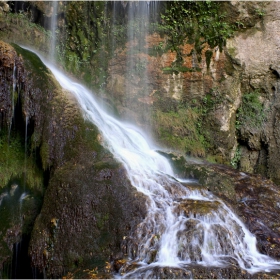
(89, 205)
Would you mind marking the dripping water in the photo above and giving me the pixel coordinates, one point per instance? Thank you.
(25, 150)
(11, 119)
(13, 200)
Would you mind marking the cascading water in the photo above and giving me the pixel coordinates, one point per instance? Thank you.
(53, 29)
(184, 225)
(137, 73)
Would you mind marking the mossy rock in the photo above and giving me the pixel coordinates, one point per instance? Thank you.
(220, 184)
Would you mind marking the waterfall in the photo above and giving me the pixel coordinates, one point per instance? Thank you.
(184, 225)
(137, 17)
(53, 26)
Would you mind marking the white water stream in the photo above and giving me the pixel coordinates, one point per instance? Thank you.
(176, 237)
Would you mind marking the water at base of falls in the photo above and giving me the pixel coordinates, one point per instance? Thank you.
(184, 224)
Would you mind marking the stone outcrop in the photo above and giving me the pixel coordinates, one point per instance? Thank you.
(195, 108)
(253, 198)
(89, 204)
(257, 50)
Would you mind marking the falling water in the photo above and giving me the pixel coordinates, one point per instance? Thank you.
(183, 225)
(25, 149)
(13, 98)
(137, 59)
(53, 29)
(11, 220)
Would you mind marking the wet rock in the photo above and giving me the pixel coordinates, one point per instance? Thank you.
(253, 198)
(197, 207)
(89, 204)
(5, 6)
(159, 272)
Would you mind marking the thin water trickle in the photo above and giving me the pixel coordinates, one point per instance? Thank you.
(11, 119)
(179, 232)
(137, 60)
(53, 28)
(25, 150)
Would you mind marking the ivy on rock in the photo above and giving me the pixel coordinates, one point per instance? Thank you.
(195, 22)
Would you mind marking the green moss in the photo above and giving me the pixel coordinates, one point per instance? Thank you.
(19, 28)
(44, 153)
(178, 69)
(33, 60)
(251, 112)
(195, 22)
(179, 130)
(83, 47)
(39, 73)
(15, 162)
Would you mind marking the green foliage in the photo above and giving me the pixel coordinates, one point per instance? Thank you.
(22, 20)
(251, 112)
(179, 130)
(236, 159)
(198, 23)
(260, 12)
(83, 47)
(14, 162)
(176, 69)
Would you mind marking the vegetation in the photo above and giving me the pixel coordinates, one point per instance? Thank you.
(19, 28)
(15, 162)
(182, 124)
(251, 113)
(179, 129)
(236, 158)
(195, 22)
(81, 48)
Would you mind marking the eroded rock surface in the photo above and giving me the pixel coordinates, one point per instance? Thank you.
(89, 204)
(254, 198)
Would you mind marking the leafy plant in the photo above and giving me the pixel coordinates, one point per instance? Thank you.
(260, 12)
(251, 112)
(14, 162)
(237, 156)
(198, 23)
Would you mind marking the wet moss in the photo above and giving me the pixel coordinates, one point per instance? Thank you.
(15, 161)
(180, 130)
(178, 69)
(220, 184)
(19, 28)
(19, 206)
(34, 62)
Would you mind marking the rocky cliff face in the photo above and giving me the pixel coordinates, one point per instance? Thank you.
(89, 205)
(225, 111)
(257, 50)
(197, 108)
